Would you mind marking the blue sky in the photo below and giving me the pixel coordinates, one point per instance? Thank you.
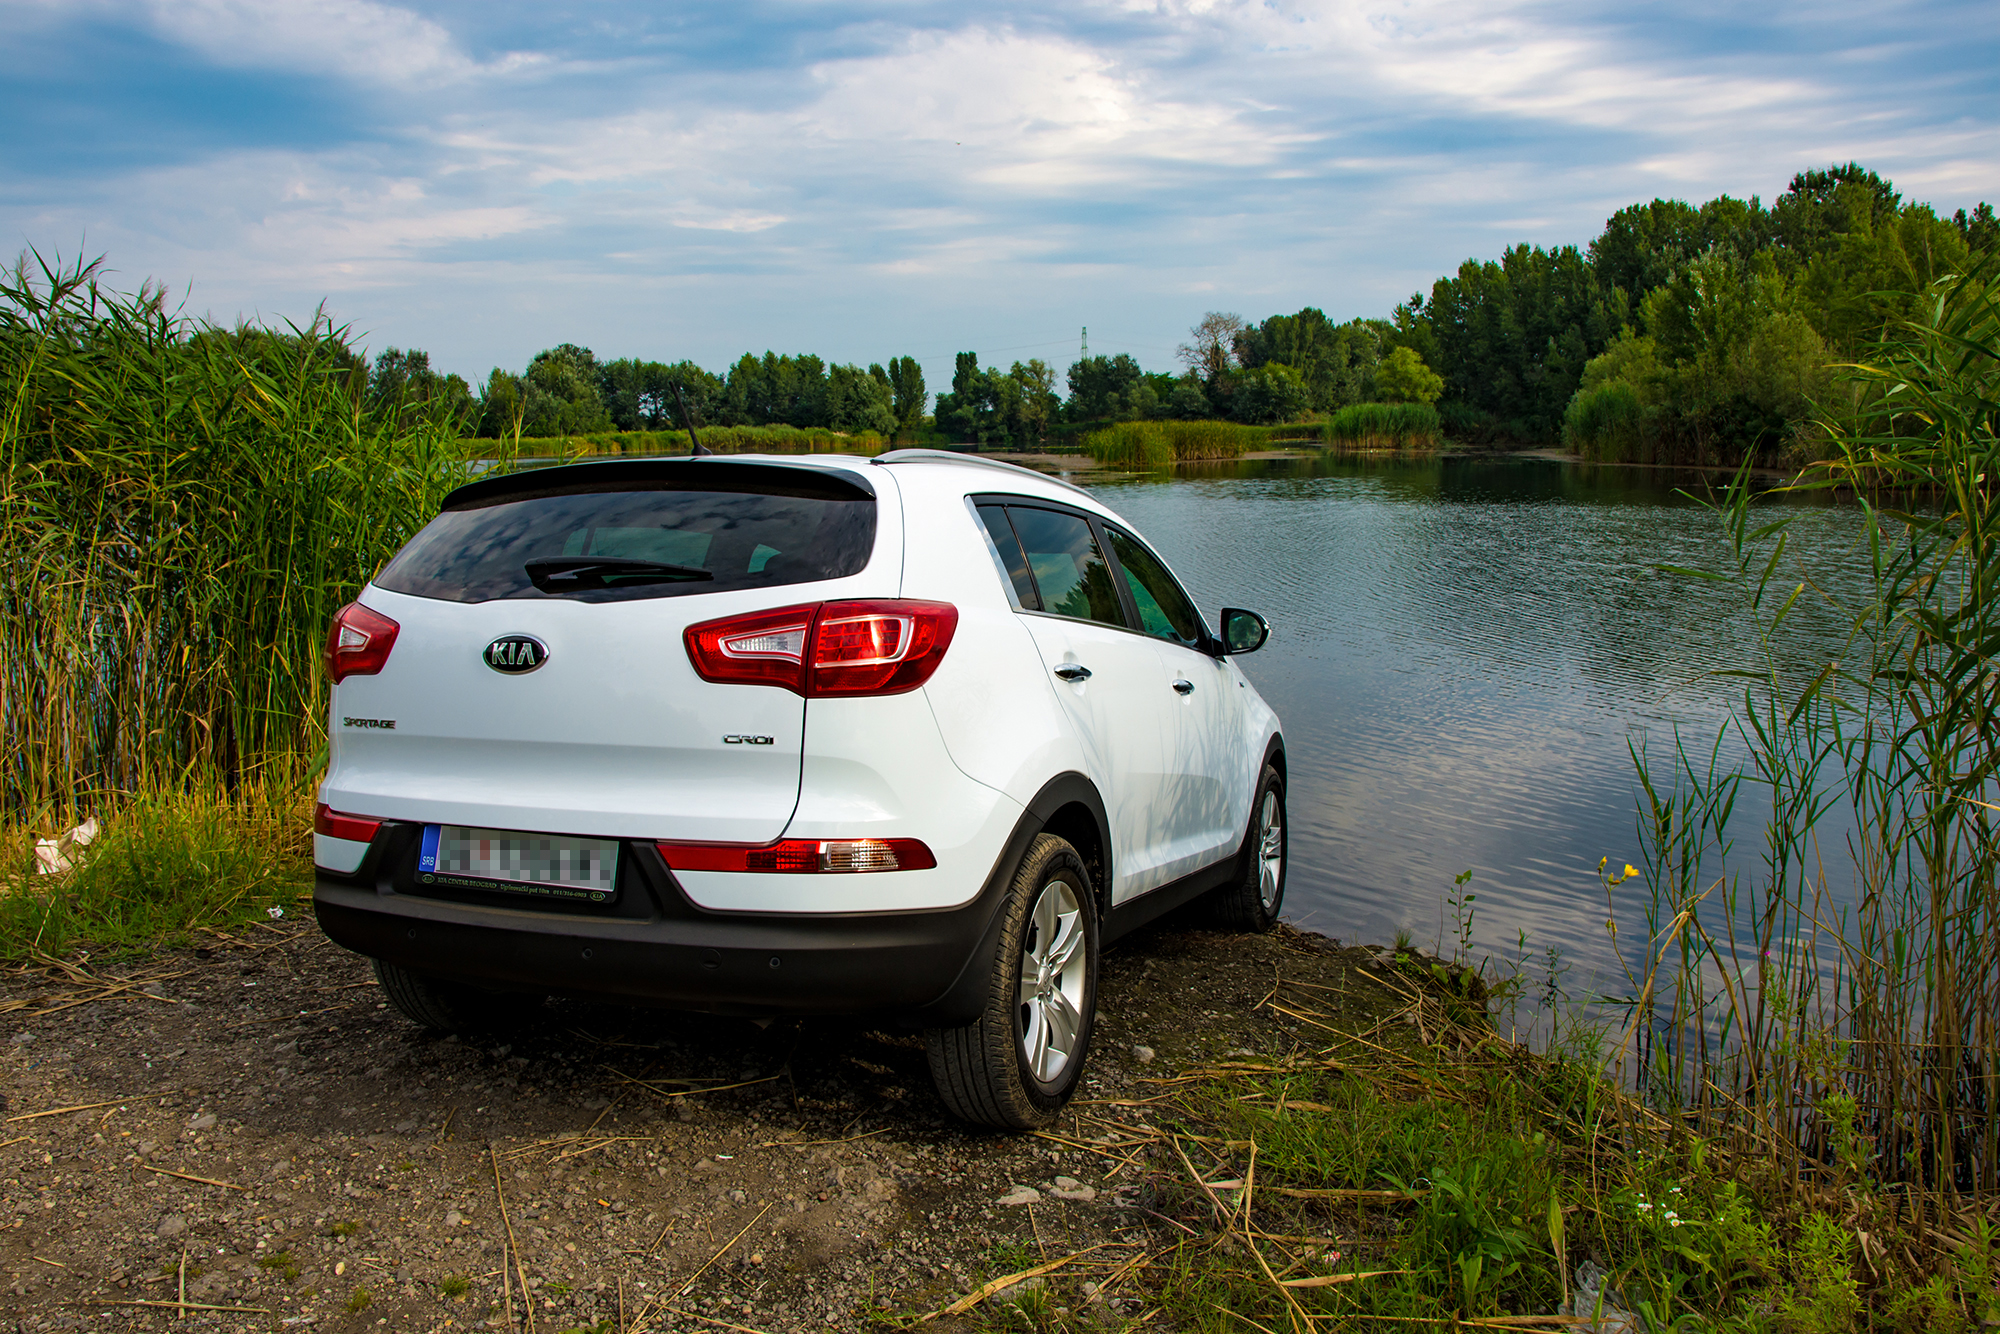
(861, 180)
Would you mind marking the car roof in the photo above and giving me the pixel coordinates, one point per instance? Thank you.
(983, 468)
(970, 472)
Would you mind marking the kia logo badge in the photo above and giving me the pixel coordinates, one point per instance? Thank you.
(516, 655)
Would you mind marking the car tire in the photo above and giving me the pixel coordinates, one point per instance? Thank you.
(452, 1007)
(1005, 1069)
(1253, 899)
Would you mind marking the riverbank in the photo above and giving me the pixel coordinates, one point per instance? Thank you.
(248, 1129)
(1280, 1129)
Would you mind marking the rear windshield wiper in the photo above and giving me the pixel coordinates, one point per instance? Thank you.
(570, 574)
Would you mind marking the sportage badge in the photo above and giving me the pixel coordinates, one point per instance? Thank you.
(516, 655)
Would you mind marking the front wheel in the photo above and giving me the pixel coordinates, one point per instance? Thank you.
(1016, 1065)
(1251, 901)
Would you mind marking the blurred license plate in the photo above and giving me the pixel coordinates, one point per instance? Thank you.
(550, 866)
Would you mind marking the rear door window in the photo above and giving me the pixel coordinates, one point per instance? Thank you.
(638, 540)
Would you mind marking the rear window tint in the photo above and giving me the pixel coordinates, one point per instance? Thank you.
(654, 542)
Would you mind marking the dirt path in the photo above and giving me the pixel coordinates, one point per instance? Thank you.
(249, 1127)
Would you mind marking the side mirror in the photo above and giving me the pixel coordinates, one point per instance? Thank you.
(1243, 631)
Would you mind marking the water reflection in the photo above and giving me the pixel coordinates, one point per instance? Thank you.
(1463, 653)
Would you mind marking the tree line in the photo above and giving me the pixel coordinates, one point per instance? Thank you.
(566, 390)
(1693, 332)
(1690, 333)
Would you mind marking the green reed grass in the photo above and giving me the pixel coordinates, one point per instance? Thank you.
(1156, 444)
(166, 864)
(1850, 1047)
(1385, 426)
(182, 509)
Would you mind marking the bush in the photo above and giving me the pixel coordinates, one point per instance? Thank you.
(1606, 423)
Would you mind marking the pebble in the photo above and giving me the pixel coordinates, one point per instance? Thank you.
(1144, 1055)
(1069, 1188)
(1018, 1195)
(171, 1226)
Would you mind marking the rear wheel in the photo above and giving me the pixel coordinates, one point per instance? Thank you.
(1251, 901)
(1015, 1066)
(453, 1007)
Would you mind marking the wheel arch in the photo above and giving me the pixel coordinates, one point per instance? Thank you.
(1068, 806)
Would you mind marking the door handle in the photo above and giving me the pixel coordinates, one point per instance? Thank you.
(1072, 671)
(1184, 686)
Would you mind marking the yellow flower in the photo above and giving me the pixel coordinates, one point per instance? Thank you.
(1630, 870)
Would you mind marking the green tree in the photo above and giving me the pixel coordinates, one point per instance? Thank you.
(907, 394)
(859, 400)
(403, 381)
(1273, 392)
(559, 393)
(1101, 388)
(1403, 378)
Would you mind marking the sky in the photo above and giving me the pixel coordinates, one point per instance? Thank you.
(867, 180)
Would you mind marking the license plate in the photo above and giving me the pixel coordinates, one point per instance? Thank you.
(550, 866)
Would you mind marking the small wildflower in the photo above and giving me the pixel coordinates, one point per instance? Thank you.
(274, 913)
(1630, 870)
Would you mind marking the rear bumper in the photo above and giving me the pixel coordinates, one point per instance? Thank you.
(655, 946)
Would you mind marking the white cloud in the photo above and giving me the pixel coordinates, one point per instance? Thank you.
(361, 40)
(1159, 154)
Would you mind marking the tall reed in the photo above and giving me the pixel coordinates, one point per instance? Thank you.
(182, 508)
(1854, 1043)
(1156, 443)
(1385, 426)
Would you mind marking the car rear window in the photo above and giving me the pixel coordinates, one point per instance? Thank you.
(631, 538)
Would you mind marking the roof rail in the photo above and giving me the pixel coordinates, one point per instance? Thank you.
(950, 456)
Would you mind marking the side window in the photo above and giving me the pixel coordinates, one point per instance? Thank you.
(1007, 551)
(1164, 610)
(1070, 573)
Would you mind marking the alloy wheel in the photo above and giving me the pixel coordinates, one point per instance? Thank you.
(1050, 998)
(1270, 849)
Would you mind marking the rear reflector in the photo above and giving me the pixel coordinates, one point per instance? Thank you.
(333, 824)
(802, 856)
(358, 642)
(880, 646)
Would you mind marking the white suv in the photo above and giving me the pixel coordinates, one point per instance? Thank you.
(913, 735)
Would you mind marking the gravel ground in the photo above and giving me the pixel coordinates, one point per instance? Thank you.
(244, 1136)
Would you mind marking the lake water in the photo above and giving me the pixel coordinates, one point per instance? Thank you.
(1463, 651)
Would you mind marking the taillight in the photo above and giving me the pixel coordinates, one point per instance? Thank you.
(763, 648)
(358, 642)
(877, 647)
(803, 856)
(334, 824)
